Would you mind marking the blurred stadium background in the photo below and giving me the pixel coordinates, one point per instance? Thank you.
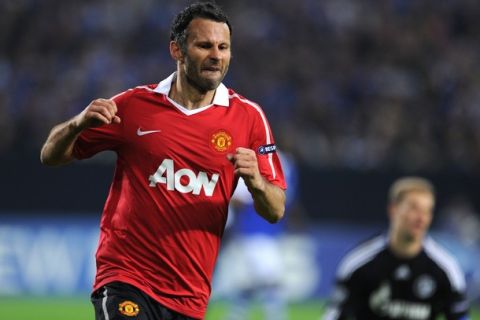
(359, 92)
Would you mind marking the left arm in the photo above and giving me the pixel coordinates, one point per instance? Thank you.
(456, 306)
(268, 199)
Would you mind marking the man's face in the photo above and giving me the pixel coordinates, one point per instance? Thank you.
(411, 217)
(207, 57)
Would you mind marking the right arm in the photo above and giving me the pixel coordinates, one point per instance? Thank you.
(58, 149)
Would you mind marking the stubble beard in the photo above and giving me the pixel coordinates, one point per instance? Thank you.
(412, 236)
(202, 85)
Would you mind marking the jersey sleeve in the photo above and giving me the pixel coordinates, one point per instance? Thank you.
(454, 294)
(341, 305)
(262, 142)
(457, 305)
(107, 137)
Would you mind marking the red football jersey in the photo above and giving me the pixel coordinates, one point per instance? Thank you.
(166, 210)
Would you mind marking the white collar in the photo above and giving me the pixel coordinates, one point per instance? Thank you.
(220, 98)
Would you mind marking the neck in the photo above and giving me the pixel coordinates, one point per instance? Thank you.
(187, 95)
(404, 246)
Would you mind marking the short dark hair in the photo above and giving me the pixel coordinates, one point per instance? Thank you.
(206, 10)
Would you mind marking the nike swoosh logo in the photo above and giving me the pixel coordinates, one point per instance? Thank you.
(142, 133)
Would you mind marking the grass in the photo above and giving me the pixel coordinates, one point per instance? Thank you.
(79, 308)
(303, 311)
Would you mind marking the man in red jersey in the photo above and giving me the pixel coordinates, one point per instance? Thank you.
(181, 146)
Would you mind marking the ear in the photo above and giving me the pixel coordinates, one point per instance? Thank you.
(391, 210)
(176, 51)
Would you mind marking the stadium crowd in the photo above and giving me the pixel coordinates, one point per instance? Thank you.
(359, 84)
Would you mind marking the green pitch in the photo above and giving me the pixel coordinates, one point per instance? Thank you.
(80, 309)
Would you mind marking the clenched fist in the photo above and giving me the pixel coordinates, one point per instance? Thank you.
(246, 166)
(98, 113)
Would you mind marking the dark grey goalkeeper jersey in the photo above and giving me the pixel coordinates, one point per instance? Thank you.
(372, 284)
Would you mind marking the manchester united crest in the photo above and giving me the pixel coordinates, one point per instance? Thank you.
(221, 141)
(128, 308)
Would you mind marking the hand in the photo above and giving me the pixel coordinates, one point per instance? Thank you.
(98, 113)
(268, 199)
(246, 166)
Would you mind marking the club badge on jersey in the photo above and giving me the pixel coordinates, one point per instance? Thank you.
(128, 308)
(221, 141)
(424, 286)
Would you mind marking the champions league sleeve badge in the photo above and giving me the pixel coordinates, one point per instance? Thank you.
(267, 148)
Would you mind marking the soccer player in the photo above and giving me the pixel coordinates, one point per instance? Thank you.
(404, 274)
(181, 146)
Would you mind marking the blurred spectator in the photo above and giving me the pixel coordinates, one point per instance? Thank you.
(459, 218)
(259, 251)
(458, 227)
(362, 85)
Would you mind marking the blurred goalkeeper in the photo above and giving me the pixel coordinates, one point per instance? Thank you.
(403, 274)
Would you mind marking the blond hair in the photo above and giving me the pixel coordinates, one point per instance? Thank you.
(404, 185)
